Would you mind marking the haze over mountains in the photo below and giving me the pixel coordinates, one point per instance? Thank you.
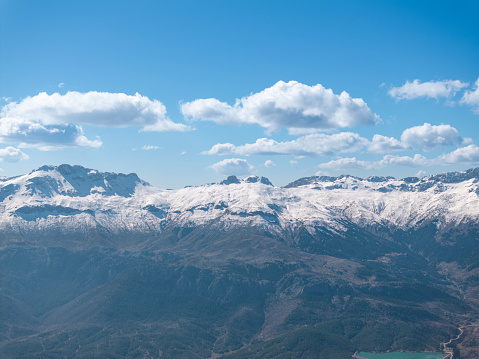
(95, 263)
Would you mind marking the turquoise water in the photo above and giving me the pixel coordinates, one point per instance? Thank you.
(398, 355)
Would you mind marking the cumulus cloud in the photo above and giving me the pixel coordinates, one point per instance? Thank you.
(464, 155)
(416, 161)
(149, 147)
(430, 89)
(60, 85)
(29, 133)
(354, 163)
(318, 144)
(291, 105)
(221, 149)
(383, 144)
(269, 163)
(348, 163)
(467, 155)
(421, 173)
(471, 98)
(54, 121)
(428, 137)
(11, 154)
(99, 109)
(233, 166)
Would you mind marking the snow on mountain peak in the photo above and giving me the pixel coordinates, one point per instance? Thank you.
(67, 180)
(230, 180)
(78, 197)
(256, 179)
(385, 184)
(455, 177)
(250, 179)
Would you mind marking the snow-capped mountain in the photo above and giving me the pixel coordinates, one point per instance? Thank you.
(74, 198)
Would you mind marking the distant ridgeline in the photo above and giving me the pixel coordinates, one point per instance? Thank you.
(96, 264)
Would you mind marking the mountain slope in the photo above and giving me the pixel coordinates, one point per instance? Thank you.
(99, 264)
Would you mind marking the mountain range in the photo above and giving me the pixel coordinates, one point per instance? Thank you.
(99, 264)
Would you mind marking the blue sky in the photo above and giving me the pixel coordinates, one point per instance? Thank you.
(185, 92)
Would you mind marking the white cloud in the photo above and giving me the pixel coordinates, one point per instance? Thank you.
(222, 149)
(150, 147)
(60, 85)
(428, 137)
(233, 166)
(421, 173)
(99, 109)
(383, 144)
(318, 144)
(471, 98)
(269, 163)
(354, 163)
(183, 153)
(289, 105)
(416, 161)
(348, 163)
(467, 155)
(464, 155)
(430, 89)
(29, 133)
(11, 154)
(293, 162)
(54, 121)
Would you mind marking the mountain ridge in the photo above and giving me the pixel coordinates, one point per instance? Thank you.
(78, 198)
(446, 177)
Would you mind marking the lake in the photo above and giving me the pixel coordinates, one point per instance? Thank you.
(399, 355)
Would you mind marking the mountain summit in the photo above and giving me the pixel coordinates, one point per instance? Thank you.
(68, 181)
